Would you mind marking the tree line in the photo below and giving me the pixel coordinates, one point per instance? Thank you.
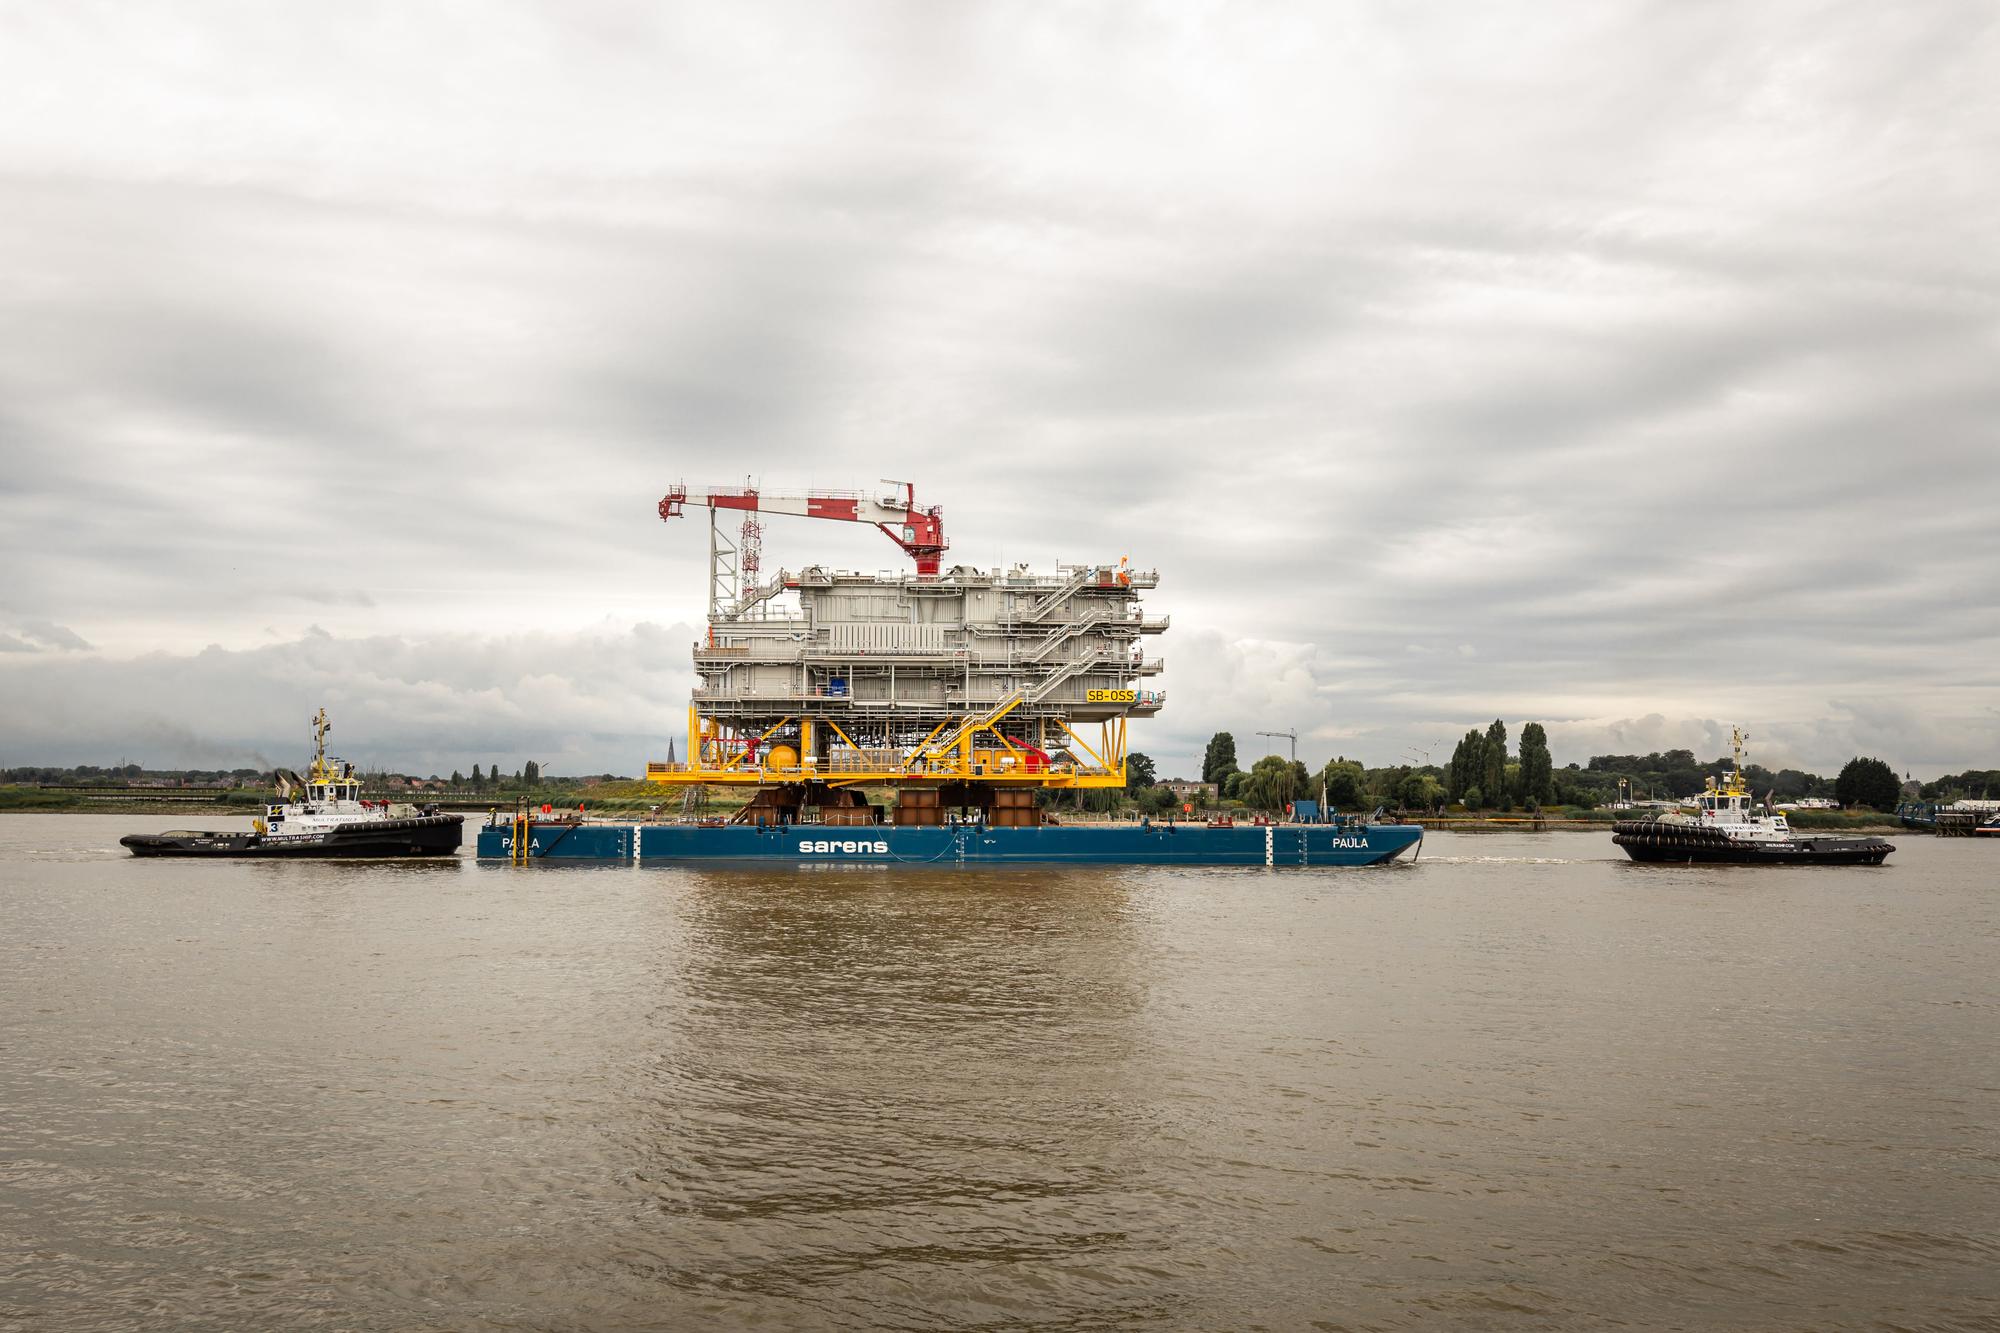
(529, 775)
(1274, 782)
(1480, 776)
(84, 775)
(1973, 784)
(1483, 774)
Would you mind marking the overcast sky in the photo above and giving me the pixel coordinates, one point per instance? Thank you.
(1628, 367)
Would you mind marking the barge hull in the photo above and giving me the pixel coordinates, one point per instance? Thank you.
(971, 844)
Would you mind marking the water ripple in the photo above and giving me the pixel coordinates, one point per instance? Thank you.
(1506, 1087)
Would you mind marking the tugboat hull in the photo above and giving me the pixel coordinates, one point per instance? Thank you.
(1653, 841)
(418, 835)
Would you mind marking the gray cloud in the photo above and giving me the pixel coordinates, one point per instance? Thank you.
(37, 636)
(59, 637)
(1626, 367)
(597, 700)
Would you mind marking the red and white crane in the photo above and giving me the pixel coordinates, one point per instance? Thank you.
(918, 530)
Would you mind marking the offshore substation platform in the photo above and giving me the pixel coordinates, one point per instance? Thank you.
(914, 717)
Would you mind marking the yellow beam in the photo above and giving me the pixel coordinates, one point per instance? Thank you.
(971, 727)
(843, 735)
(927, 740)
(1020, 696)
(925, 747)
(732, 761)
(1084, 743)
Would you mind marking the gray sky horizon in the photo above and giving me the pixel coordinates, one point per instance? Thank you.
(1632, 368)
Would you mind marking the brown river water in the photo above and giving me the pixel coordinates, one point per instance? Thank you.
(1520, 1084)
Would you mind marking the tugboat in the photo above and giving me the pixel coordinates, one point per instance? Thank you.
(1726, 829)
(321, 815)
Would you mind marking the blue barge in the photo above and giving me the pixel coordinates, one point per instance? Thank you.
(1313, 844)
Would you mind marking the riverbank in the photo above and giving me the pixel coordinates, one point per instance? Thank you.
(57, 800)
(638, 799)
(633, 799)
(1568, 818)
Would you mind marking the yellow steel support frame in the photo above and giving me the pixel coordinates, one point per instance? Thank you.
(732, 761)
(704, 767)
(962, 741)
(927, 740)
(1082, 742)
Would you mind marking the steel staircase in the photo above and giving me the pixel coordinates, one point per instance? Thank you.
(945, 744)
(1067, 672)
(1063, 635)
(1076, 583)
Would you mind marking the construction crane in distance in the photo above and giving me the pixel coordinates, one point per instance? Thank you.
(1292, 736)
(1416, 757)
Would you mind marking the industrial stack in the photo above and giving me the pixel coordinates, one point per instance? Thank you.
(1014, 807)
(919, 805)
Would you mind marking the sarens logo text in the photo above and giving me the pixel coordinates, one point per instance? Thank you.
(808, 848)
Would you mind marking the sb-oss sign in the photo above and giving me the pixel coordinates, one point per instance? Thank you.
(1111, 696)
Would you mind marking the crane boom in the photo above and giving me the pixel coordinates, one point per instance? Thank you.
(918, 530)
(1291, 735)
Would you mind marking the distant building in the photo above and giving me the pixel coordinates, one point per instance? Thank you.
(1192, 793)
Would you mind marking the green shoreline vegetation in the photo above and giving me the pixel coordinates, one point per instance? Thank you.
(1483, 785)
